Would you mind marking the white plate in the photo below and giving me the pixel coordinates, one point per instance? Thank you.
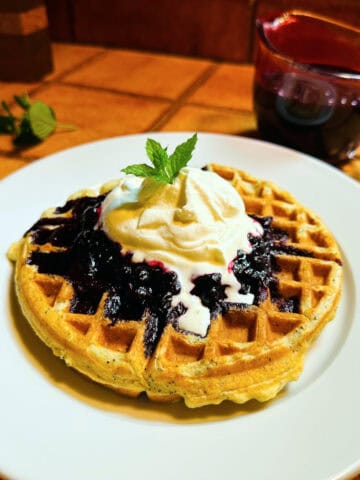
(56, 424)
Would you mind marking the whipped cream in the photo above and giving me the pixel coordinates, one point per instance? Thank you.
(195, 226)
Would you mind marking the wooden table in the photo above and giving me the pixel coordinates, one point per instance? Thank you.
(108, 92)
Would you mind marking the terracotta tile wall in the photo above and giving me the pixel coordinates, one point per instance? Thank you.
(215, 29)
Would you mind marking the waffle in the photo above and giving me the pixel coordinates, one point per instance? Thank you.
(248, 353)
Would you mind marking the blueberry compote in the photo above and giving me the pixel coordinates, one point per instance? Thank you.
(94, 264)
(255, 271)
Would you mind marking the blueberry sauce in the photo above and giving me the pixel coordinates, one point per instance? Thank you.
(211, 292)
(255, 271)
(95, 265)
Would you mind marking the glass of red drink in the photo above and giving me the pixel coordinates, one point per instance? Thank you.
(307, 84)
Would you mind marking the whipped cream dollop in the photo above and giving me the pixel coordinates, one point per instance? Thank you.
(194, 226)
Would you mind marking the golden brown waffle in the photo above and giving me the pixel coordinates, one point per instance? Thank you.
(247, 354)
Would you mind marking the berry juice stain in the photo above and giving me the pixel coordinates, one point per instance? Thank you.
(95, 265)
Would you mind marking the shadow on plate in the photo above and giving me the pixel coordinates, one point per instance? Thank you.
(85, 390)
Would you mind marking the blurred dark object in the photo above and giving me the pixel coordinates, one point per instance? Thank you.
(307, 84)
(25, 49)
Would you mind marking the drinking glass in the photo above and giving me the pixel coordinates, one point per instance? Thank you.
(307, 84)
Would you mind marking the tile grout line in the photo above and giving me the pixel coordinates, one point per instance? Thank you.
(82, 86)
(57, 79)
(175, 105)
(81, 64)
(221, 108)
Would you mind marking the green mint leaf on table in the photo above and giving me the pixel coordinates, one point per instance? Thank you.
(5, 106)
(25, 136)
(8, 121)
(42, 120)
(36, 123)
(165, 168)
(7, 125)
(23, 101)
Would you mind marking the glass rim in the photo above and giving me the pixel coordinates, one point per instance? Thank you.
(307, 67)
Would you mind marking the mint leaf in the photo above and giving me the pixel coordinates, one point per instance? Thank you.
(140, 170)
(23, 101)
(36, 123)
(143, 170)
(181, 156)
(7, 109)
(42, 120)
(165, 168)
(157, 154)
(24, 135)
(7, 124)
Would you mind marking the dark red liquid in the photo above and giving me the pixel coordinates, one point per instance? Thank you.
(325, 131)
(307, 86)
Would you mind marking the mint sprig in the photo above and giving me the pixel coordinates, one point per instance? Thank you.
(37, 122)
(165, 167)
